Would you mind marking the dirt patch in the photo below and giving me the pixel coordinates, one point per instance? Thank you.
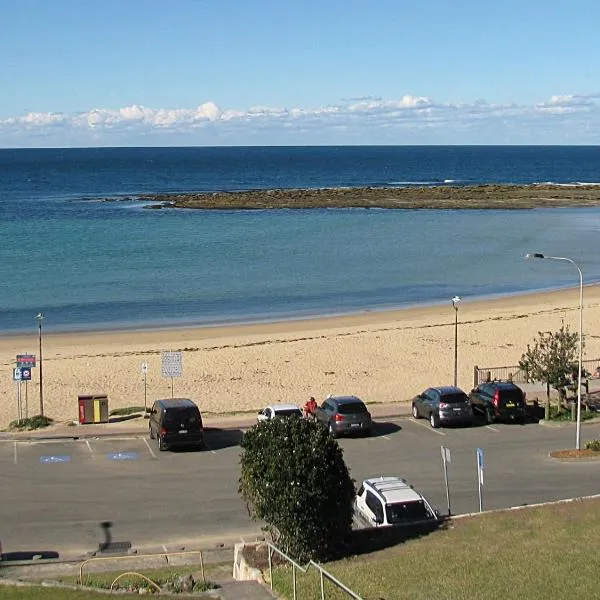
(583, 454)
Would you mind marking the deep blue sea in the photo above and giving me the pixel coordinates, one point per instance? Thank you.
(88, 264)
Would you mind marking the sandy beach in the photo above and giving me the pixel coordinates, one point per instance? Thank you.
(379, 356)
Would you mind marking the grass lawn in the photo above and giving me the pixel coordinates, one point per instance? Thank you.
(534, 553)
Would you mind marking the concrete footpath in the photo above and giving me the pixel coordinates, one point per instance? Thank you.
(119, 426)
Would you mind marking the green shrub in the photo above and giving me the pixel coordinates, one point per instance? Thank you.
(293, 477)
(36, 422)
(593, 445)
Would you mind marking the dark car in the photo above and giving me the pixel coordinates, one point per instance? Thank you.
(499, 400)
(176, 422)
(442, 406)
(344, 415)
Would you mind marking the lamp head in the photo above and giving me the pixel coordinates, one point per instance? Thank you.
(455, 301)
(534, 255)
(39, 317)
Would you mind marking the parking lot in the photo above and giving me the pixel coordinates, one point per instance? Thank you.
(56, 493)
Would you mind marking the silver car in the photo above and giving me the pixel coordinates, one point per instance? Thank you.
(343, 415)
(443, 405)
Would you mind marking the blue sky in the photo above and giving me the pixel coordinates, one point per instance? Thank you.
(270, 72)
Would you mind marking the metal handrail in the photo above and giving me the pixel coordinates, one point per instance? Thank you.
(147, 579)
(322, 573)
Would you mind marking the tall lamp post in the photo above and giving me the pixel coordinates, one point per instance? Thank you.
(39, 318)
(570, 260)
(455, 303)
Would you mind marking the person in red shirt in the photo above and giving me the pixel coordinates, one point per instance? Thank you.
(310, 407)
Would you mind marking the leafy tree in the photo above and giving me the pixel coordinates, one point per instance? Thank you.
(293, 477)
(551, 359)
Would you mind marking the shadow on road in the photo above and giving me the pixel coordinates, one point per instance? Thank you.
(29, 555)
(384, 428)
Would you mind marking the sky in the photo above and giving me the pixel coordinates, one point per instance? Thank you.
(289, 72)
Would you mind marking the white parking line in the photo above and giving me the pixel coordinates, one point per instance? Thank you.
(15, 452)
(87, 443)
(149, 449)
(207, 446)
(492, 428)
(385, 437)
(428, 427)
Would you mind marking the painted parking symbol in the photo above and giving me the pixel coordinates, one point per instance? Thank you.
(122, 456)
(45, 460)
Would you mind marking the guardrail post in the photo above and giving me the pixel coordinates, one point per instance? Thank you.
(322, 586)
(270, 568)
(202, 568)
(294, 581)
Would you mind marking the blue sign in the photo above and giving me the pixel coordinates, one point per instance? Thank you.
(25, 374)
(122, 456)
(54, 459)
(480, 462)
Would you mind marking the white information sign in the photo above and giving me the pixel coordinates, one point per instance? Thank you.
(172, 364)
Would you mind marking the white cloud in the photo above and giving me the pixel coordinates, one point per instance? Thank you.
(409, 119)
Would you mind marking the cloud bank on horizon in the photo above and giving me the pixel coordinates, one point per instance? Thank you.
(563, 119)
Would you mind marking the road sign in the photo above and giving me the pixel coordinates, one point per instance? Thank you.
(144, 368)
(172, 364)
(16, 374)
(26, 360)
(25, 374)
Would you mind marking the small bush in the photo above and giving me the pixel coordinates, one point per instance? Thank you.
(36, 422)
(593, 445)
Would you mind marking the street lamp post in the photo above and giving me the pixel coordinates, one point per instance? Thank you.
(580, 347)
(39, 318)
(455, 303)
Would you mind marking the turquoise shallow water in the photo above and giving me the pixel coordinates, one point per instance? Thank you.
(100, 265)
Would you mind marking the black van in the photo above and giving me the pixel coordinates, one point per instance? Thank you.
(176, 422)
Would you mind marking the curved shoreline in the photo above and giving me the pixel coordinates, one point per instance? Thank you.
(479, 197)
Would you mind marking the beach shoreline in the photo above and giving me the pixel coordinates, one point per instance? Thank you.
(381, 356)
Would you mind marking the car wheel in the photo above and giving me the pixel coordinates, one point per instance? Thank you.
(415, 412)
(434, 420)
(489, 416)
(332, 431)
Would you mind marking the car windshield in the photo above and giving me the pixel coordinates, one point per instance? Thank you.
(407, 512)
(454, 398)
(182, 416)
(352, 408)
(288, 412)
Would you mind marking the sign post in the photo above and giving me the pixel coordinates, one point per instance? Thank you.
(446, 458)
(17, 379)
(172, 366)
(25, 362)
(480, 467)
(145, 374)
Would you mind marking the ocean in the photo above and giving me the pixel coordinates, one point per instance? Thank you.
(90, 264)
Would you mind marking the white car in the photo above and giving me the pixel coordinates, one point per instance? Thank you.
(279, 410)
(385, 501)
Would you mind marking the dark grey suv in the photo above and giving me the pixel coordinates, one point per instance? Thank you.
(499, 400)
(344, 415)
(443, 405)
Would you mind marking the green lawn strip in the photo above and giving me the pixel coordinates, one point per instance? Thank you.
(533, 553)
